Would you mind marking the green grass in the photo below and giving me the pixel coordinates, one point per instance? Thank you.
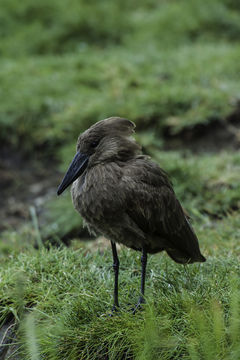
(54, 98)
(59, 27)
(163, 64)
(192, 312)
(206, 183)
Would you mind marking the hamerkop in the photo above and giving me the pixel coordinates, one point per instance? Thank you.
(128, 198)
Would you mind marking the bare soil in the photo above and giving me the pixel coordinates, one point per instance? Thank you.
(24, 181)
(211, 137)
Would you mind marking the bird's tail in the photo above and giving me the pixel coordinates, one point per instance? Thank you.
(183, 258)
(186, 249)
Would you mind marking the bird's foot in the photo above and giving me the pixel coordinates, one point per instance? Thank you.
(114, 310)
(139, 306)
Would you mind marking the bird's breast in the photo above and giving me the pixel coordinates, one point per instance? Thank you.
(96, 196)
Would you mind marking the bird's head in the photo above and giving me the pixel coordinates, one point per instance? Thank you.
(107, 140)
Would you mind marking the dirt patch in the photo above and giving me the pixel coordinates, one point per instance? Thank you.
(214, 136)
(24, 181)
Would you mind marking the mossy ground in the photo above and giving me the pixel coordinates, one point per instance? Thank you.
(173, 68)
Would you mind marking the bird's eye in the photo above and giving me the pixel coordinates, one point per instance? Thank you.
(94, 144)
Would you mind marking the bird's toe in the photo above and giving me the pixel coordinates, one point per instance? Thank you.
(139, 305)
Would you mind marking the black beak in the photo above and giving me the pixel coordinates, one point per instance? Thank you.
(76, 168)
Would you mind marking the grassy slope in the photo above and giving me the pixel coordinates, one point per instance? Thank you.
(159, 65)
(184, 74)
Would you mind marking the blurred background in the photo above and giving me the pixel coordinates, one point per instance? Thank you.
(171, 66)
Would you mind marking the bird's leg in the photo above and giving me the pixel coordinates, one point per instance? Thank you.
(116, 270)
(144, 264)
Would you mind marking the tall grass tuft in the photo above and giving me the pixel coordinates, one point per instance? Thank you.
(30, 335)
(215, 333)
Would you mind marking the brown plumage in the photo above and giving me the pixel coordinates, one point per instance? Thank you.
(128, 198)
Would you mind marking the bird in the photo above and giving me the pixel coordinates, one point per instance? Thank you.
(128, 198)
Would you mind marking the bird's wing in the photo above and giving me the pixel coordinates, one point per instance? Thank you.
(153, 206)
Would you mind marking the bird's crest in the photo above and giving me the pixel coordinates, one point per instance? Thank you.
(115, 125)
